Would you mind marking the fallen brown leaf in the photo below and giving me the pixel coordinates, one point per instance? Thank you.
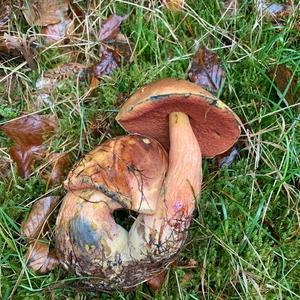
(40, 212)
(18, 46)
(94, 83)
(174, 5)
(206, 70)
(40, 259)
(155, 283)
(111, 27)
(278, 12)
(44, 12)
(57, 33)
(286, 83)
(112, 56)
(27, 133)
(60, 163)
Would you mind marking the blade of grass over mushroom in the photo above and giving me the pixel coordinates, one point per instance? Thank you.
(206, 70)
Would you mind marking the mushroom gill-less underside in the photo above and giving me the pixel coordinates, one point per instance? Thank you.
(125, 172)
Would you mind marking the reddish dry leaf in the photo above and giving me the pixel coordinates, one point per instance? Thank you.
(40, 259)
(44, 12)
(61, 164)
(174, 5)
(112, 56)
(57, 33)
(155, 283)
(25, 157)
(18, 46)
(107, 64)
(29, 130)
(206, 70)
(111, 27)
(27, 133)
(40, 212)
(283, 78)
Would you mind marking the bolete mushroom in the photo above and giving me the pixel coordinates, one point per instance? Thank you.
(190, 123)
(125, 172)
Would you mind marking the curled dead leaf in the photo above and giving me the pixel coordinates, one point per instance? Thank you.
(43, 12)
(206, 70)
(111, 27)
(60, 163)
(40, 212)
(40, 259)
(25, 157)
(27, 133)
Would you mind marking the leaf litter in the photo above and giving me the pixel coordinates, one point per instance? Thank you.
(28, 135)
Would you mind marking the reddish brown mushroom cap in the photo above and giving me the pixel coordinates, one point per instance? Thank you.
(146, 112)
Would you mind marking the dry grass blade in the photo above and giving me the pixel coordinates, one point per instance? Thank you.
(40, 212)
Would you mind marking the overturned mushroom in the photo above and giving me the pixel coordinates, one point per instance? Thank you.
(125, 172)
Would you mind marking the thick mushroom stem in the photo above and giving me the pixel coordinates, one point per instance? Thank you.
(162, 234)
(184, 176)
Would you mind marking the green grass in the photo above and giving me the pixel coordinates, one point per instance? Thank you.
(245, 234)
